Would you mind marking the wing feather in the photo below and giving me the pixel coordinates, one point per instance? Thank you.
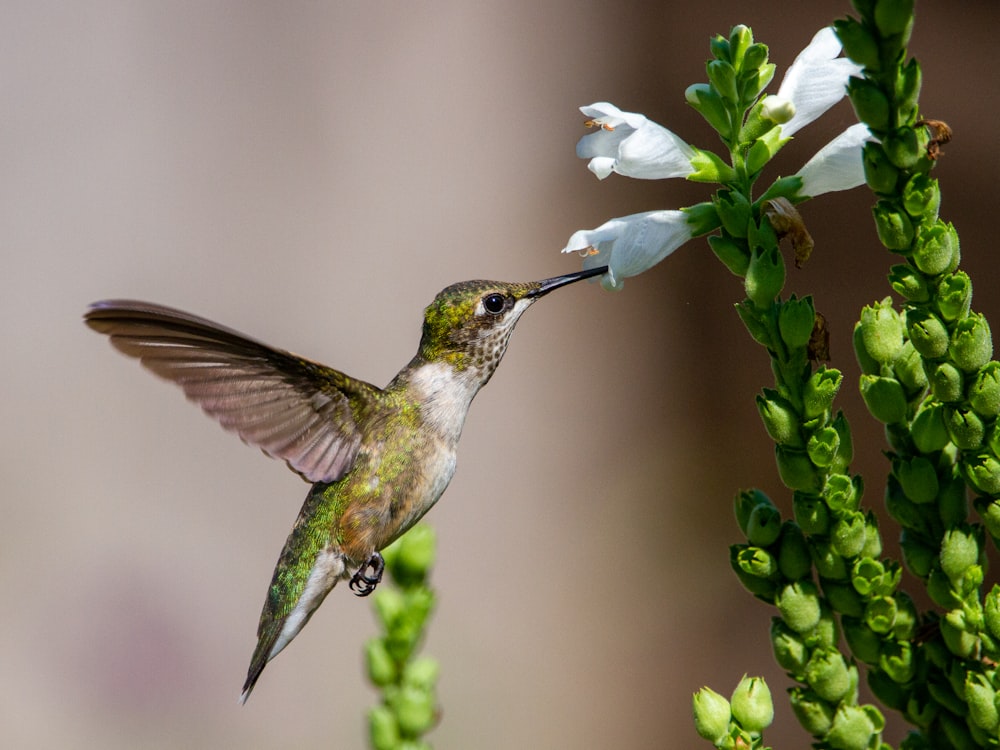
(300, 411)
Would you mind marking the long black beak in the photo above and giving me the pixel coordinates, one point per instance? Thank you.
(546, 286)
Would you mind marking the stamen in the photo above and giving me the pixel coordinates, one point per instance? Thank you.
(598, 123)
(588, 251)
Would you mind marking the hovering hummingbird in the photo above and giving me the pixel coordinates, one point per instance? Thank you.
(377, 458)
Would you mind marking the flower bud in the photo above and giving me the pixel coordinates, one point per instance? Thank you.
(755, 58)
(794, 561)
(764, 526)
(854, 727)
(764, 148)
(954, 295)
(735, 256)
(868, 576)
(707, 102)
(959, 551)
(722, 76)
(898, 661)
(765, 277)
(859, 42)
(880, 614)
(755, 568)
(891, 694)
(814, 714)
(922, 197)
(909, 369)
(917, 554)
(873, 540)
(796, 320)
(383, 729)
(991, 611)
(829, 565)
(845, 451)
(810, 514)
(796, 470)
(971, 343)
(848, 535)
(414, 709)
(981, 697)
(903, 510)
(884, 398)
(882, 331)
(755, 325)
(918, 479)
(712, 715)
(789, 649)
(881, 174)
(389, 606)
(940, 591)
(928, 430)
(779, 418)
(894, 17)
(823, 446)
(740, 39)
(984, 392)
(414, 554)
(956, 635)
(908, 283)
(751, 704)
(827, 675)
(904, 147)
(936, 248)
(821, 388)
(870, 103)
(927, 333)
(380, 665)
(744, 504)
(798, 604)
(908, 90)
(863, 642)
(947, 383)
(983, 472)
(843, 493)
(964, 427)
(894, 227)
(989, 510)
(422, 672)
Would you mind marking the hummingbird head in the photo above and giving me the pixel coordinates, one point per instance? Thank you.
(469, 324)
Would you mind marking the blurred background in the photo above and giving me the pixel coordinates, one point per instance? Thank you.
(313, 173)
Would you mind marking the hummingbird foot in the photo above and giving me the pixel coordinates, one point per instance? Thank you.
(363, 584)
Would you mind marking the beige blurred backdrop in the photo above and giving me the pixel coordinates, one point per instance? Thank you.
(313, 173)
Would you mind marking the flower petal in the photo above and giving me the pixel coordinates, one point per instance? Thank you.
(838, 165)
(816, 80)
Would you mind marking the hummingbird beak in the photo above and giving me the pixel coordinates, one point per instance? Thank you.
(546, 286)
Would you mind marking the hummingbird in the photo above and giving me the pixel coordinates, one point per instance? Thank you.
(377, 459)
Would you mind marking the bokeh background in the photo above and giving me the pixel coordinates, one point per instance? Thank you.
(313, 173)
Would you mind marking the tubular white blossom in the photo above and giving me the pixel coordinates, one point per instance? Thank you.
(632, 145)
(838, 165)
(816, 80)
(631, 244)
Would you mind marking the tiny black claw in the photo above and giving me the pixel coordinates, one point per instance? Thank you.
(363, 584)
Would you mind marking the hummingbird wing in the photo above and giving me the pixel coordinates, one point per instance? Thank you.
(291, 408)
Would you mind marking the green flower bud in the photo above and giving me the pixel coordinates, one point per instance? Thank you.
(894, 16)
(954, 295)
(845, 451)
(909, 370)
(779, 418)
(991, 611)
(918, 479)
(796, 320)
(922, 197)
(843, 494)
(964, 427)
(754, 323)
(918, 555)
(810, 514)
(873, 541)
(720, 48)
(735, 256)
(814, 714)
(765, 277)
(903, 510)
(867, 576)
(755, 59)
(898, 661)
(722, 76)
(794, 561)
(983, 472)
(848, 535)
(764, 526)
(751, 704)
(927, 333)
(928, 429)
(894, 227)
(890, 693)
(862, 640)
(789, 649)
(383, 729)
(904, 147)
(908, 283)
(859, 43)
(740, 39)
(414, 709)
(936, 248)
(908, 90)
(821, 389)
(870, 103)
(422, 672)
(981, 697)
(829, 565)
(826, 634)
(754, 568)
(984, 391)
(798, 604)
(796, 470)
(843, 598)
(880, 173)
(380, 665)
(971, 343)
(823, 446)
(884, 398)
(960, 549)
(735, 212)
(989, 511)
(880, 614)
(712, 715)
(940, 591)
(414, 555)
(707, 102)
(765, 147)
(882, 331)
(956, 635)
(744, 504)
(855, 727)
(947, 383)
(390, 606)
(907, 617)
(827, 675)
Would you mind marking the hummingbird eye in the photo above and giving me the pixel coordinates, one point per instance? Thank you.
(494, 304)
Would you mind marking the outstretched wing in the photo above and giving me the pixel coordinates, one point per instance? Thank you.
(289, 407)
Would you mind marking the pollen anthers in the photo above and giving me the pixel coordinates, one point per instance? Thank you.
(599, 122)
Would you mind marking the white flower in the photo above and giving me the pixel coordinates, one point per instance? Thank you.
(632, 145)
(631, 244)
(838, 165)
(813, 83)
